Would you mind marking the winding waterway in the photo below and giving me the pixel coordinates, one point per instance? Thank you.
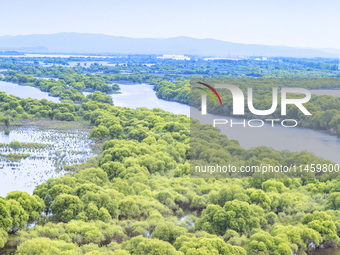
(25, 91)
(277, 137)
(143, 95)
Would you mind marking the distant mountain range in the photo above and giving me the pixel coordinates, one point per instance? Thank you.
(98, 43)
(37, 49)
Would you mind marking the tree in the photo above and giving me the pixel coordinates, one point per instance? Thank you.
(114, 169)
(15, 145)
(44, 246)
(235, 215)
(121, 252)
(78, 85)
(168, 232)
(5, 216)
(128, 209)
(50, 194)
(100, 132)
(322, 223)
(88, 232)
(333, 201)
(260, 198)
(116, 131)
(6, 121)
(273, 185)
(271, 218)
(115, 87)
(208, 244)
(18, 214)
(33, 205)
(19, 109)
(103, 200)
(101, 97)
(198, 203)
(299, 236)
(104, 214)
(3, 238)
(263, 243)
(66, 207)
(68, 116)
(92, 211)
(143, 246)
(95, 175)
(182, 170)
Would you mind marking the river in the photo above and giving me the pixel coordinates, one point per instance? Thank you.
(25, 91)
(143, 95)
(326, 92)
(277, 137)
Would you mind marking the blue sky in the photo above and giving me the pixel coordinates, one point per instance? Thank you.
(299, 23)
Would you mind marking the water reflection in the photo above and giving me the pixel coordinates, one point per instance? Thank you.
(277, 137)
(326, 92)
(45, 151)
(25, 91)
(143, 95)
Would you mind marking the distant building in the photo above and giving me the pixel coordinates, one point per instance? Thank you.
(175, 57)
(217, 58)
(261, 59)
(226, 58)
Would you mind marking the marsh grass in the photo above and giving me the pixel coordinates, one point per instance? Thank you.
(31, 155)
(78, 124)
(14, 157)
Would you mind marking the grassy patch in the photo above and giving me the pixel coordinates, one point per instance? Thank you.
(78, 124)
(91, 162)
(14, 157)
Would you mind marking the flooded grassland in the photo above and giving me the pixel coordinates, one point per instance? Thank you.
(30, 155)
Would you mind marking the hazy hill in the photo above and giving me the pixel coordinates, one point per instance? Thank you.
(98, 43)
(37, 49)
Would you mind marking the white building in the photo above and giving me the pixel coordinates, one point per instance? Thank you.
(175, 57)
(217, 58)
(262, 58)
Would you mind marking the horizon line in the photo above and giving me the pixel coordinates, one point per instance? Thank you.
(167, 38)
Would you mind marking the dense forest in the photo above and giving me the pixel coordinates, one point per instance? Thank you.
(276, 67)
(139, 195)
(140, 198)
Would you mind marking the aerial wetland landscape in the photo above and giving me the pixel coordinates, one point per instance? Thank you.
(95, 155)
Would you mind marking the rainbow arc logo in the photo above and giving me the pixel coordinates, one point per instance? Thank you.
(209, 93)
